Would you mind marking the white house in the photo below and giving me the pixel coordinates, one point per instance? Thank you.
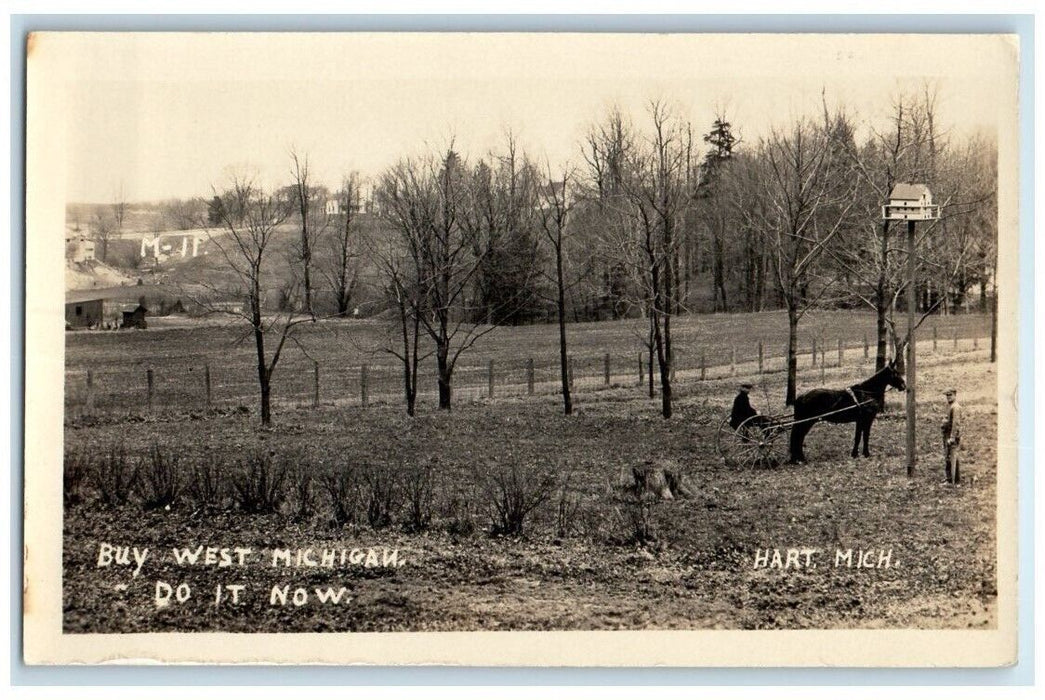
(78, 248)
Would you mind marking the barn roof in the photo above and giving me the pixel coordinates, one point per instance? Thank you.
(904, 190)
(78, 296)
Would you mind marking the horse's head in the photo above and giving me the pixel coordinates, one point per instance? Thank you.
(893, 377)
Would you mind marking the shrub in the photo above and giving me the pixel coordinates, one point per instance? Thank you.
(76, 470)
(382, 494)
(513, 494)
(206, 485)
(303, 492)
(115, 477)
(342, 486)
(162, 479)
(567, 507)
(259, 487)
(418, 484)
(458, 511)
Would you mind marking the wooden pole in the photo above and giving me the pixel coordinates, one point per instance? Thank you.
(912, 355)
(934, 338)
(490, 380)
(642, 374)
(841, 352)
(529, 376)
(606, 369)
(569, 367)
(732, 361)
(703, 367)
(149, 381)
(814, 352)
(315, 384)
(761, 356)
(206, 382)
(866, 347)
(364, 380)
(90, 392)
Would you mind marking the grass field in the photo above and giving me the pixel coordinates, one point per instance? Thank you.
(178, 349)
(578, 562)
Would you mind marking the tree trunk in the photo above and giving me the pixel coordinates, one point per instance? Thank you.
(882, 305)
(264, 377)
(443, 365)
(994, 325)
(792, 355)
(567, 399)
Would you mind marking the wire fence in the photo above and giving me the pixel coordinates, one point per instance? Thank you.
(185, 383)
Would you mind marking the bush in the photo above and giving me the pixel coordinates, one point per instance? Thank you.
(514, 494)
(206, 485)
(342, 487)
(418, 484)
(567, 507)
(303, 491)
(162, 479)
(115, 477)
(458, 511)
(259, 487)
(76, 470)
(382, 494)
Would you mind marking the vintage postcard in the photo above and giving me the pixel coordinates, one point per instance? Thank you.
(521, 349)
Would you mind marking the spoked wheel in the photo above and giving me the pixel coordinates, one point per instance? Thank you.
(737, 446)
(759, 442)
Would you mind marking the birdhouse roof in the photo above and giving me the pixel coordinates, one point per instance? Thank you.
(904, 190)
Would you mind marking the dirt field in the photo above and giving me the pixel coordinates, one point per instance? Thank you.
(920, 553)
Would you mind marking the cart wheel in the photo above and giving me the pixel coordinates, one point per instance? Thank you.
(730, 444)
(761, 442)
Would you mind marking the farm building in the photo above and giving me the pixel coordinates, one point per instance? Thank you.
(135, 318)
(78, 248)
(85, 313)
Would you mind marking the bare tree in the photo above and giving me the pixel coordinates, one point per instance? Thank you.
(103, 229)
(250, 218)
(119, 208)
(312, 222)
(555, 209)
(341, 261)
(808, 192)
(425, 202)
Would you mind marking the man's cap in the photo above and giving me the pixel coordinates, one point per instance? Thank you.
(747, 386)
(950, 392)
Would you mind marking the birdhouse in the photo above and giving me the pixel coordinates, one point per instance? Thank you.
(909, 202)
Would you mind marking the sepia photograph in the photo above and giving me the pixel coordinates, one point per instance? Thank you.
(379, 336)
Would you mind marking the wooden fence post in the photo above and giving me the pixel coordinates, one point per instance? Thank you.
(606, 368)
(934, 338)
(703, 367)
(90, 392)
(841, 352)
(814, 352)
(761, 352)
(867, 347)
(148, 379)
(490, 381)
(732, 361)
(569, 372)
(364, 380)
(642, 374)
(206, 382)
(529, 376)
(315, 384)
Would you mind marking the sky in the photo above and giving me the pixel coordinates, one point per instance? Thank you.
(155, 116)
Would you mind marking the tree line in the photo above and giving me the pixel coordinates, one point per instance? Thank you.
(654, 220)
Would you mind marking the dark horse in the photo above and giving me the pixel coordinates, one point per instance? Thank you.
(858, 404)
